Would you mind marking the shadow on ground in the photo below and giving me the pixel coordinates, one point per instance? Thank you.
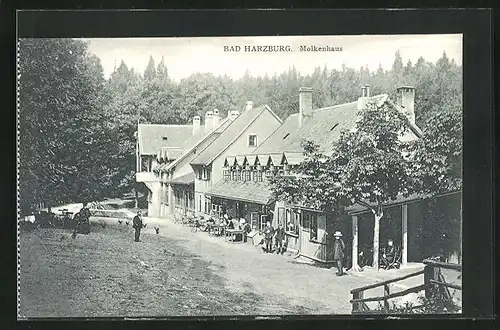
(107, 274)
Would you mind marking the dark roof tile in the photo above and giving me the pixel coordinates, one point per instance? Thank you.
(151, 137)
(247, 191)
(233, 130)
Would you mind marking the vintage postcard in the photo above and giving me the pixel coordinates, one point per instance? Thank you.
(240, 176)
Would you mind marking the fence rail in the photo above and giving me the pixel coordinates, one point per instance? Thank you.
(433, 278)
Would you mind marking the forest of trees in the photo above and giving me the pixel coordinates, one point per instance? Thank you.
(77, 128)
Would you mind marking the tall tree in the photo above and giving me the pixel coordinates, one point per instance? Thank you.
(367, 166)
(437, 157)
(150, 72)
(62, 142)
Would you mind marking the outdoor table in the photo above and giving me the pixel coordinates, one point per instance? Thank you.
(217, 229)
(235, 232)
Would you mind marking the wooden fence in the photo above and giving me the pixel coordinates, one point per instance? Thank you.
(432, 278)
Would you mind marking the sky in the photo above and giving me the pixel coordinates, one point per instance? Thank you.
(185, 56)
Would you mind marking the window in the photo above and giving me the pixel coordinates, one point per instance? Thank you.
(207, 206)
(252, 140)
(314, 227)
(292, 222)
(248, 176)
(206, 173)
(199, 174)
(258, 176)
(263, 221)
(234, 175)
(310, 223)
(306, 221)
(227, 175)
(190, 200)
(144, 164)
(254, 220)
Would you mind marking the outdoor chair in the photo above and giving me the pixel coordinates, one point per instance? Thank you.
(185, 220)
(193, 223)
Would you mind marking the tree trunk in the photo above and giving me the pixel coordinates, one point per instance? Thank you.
(376, 237)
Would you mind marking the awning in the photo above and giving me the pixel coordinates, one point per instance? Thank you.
(183, 179)
(240, 160)
(263, 159)
(229, 161)
(294, 158)
(276, 159)
(251, 160)
(246, 191)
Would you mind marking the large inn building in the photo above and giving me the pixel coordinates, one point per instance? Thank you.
(223, 165)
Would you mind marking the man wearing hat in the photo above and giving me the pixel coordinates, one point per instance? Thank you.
(339, 252)
(137, 225)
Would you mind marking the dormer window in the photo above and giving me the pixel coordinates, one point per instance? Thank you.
(205, 174)
(252, 140)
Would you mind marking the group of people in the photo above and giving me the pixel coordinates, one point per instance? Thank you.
(339, 247)
(279, 238)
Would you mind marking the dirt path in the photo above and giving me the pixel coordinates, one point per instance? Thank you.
(176, 273)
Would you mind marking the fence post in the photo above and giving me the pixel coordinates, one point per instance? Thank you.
(386, 293)
(429, 274)
(356, 305)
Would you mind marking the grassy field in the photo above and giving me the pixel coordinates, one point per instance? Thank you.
(106, 273)
(175, 273)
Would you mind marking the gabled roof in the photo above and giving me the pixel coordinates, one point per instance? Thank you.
(229, 135)
(323, 128)
(150, 137)
(198, 139)
(183, 179)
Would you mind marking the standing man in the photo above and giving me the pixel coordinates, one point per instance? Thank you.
(137, 225)
(339, 252)
(268, 234)
(279, 238)
(85, 219)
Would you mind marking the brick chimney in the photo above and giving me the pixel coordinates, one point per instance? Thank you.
(249, 105)
(209, 121)
(233, 114)
(196, 125)
(305, 104)
(216, 119)
(406, 100)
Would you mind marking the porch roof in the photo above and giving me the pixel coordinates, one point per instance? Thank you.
(358, 208)
(246, 191)
(183, 179)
